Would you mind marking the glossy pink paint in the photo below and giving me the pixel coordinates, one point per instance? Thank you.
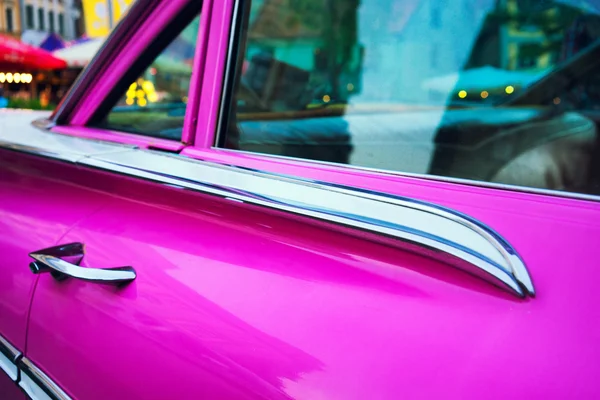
(34, 212)
(232, 301)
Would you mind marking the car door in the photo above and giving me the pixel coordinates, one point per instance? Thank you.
(36, 211)
(245, 274)
(38, 208)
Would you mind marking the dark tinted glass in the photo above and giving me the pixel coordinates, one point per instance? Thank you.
(503, 91)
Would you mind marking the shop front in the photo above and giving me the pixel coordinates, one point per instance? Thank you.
(29, 76)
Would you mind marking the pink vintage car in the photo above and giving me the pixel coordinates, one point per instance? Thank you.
(311, 200)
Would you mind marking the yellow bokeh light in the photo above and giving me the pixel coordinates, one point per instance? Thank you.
(129, 101)
(484, 94)
(184, 99)
(148, 86)
(133, 86)
(142, 102)
(153, 97)
(17, 77)
(9, 77)
(131, 94)
(509, 89)
(326, 98)
(140, 94)
(2, 77)
(462, 94)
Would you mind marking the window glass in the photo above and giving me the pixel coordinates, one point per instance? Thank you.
(41, 25)
(503, 91)
(155, 103)
(61, 24)
(51, 21)
(9, 20)
(29, 16)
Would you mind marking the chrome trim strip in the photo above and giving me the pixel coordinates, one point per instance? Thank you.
(43, 123)
(417, 226)
(37, 384)
(9, 356)
(18, 136)
(455, 238)
(435, 178)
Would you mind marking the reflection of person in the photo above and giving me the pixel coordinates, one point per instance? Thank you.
(3, 100)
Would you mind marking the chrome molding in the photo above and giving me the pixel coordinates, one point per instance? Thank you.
(38, 385)
(435, 178)
(417, 226)
(9, 356)
(18, 136)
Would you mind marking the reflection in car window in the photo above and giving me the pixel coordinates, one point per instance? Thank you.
(155, 103)
(503, 91)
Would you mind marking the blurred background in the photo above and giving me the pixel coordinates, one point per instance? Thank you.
(44, 45)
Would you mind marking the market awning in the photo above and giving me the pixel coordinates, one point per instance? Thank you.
(79, 55)
(52, 42)
(15, 55)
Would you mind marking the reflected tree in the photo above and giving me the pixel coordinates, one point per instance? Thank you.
(336, 23)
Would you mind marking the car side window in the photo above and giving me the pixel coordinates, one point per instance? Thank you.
(492, 91)
(155, 103)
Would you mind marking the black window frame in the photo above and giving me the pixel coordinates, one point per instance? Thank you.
(233, 65)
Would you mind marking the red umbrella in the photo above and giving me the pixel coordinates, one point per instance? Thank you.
(17, 55)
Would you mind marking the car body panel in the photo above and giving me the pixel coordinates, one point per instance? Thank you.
(237, 302)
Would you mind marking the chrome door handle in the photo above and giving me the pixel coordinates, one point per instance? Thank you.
(63, 262)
